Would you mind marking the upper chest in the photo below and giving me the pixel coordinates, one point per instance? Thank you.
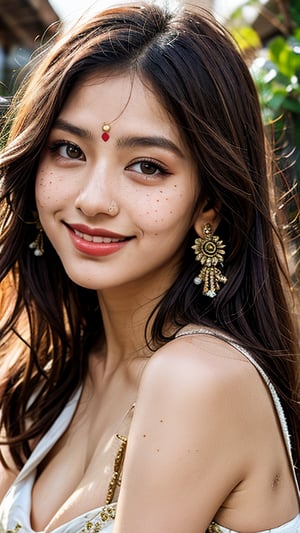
(78, 473)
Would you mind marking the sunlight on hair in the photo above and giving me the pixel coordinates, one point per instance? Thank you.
(171, 5)
(71, 14)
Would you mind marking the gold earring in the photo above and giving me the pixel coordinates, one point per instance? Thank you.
(38, 244)
(209, 251)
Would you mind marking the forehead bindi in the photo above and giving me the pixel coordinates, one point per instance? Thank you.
(114, 105)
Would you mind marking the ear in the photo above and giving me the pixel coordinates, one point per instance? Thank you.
(208, 214)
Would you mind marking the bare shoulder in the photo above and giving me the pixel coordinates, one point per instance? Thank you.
(196, 404)
(202, 364)
(198, 382)
(201, 381)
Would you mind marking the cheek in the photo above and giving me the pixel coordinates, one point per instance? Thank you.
(161, 210)
(49, 189)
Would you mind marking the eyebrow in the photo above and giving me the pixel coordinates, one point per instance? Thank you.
(64, 125)
(123, 142)
(149, 141)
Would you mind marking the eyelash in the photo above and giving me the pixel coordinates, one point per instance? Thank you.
(161, 168)
(54, 147)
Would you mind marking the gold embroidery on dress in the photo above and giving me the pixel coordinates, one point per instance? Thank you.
(15, 530)
(116, 477)
(108, 512)
(213, 528)
(101, 520)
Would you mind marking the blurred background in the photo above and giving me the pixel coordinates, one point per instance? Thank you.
(267, 31)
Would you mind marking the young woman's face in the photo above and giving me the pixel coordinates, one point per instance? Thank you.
(117, 211)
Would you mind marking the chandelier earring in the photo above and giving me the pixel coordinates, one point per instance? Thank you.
(209, 251)
(37, 246)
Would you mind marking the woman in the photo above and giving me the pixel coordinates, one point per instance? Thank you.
(148, 347)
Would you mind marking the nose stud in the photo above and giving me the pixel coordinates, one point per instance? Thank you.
(113, 208)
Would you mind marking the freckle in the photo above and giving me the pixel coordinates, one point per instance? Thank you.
(157, 449)
(155, 211)
(144, 435)
(161, 421)
(161, 192)
(175, 186)
(171, 212)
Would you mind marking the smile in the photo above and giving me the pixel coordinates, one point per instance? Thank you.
(96, 238)
(96, 242)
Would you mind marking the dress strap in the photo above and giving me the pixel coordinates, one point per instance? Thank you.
(195, 330)
(51, 437)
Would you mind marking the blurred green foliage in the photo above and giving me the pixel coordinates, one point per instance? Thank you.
(275, 67)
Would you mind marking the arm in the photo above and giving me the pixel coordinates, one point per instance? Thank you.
(186, 448)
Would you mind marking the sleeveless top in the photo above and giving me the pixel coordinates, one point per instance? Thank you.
(16, 504)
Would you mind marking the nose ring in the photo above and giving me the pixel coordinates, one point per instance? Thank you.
(113, 208)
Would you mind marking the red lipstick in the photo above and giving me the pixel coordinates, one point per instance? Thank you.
(96, 242)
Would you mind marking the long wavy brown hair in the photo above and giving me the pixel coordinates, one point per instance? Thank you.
(48, 323)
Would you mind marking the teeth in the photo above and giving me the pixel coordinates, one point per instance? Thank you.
(95, 238)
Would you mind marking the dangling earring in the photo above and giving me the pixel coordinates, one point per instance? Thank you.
(38, 244)
(209, 251)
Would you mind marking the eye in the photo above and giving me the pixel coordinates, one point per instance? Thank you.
(148, 167)
(67, 150)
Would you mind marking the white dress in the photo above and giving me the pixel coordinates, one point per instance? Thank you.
(16, 504)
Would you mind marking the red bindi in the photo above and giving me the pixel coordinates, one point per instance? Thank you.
(105, 135)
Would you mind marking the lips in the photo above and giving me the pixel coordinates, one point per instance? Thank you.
(88, 232)
(95, 242)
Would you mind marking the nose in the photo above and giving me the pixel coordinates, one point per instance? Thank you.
(97, 195)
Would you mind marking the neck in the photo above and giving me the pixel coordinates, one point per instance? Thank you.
(118, 363)
(125, 314)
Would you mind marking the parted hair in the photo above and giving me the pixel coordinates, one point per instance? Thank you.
(48, 323)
